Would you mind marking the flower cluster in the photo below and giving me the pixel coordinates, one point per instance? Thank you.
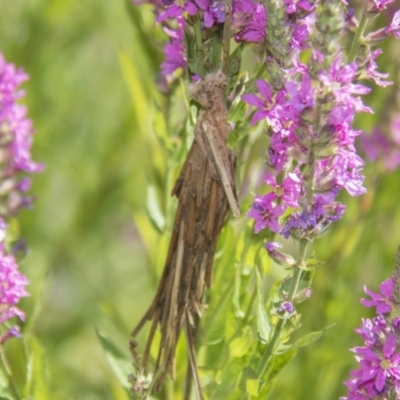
(247, 24)
(378, 374)
(16, 136)
(311, 154)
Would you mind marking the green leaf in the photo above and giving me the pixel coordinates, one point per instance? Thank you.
(139, 92)
(265, 392)
(239, 345)
(153, 209)
(249, 382)
(238, 112)
(263, 325)
(277, 364)
(160, 130)
(4, 391)
(36, 386)
(121, 366)
(310, 264)
(308, 339)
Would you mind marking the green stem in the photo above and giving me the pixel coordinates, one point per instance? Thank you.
(199, 48)
(226, 35)
(262, 365)
(7, 369)
(358, 36)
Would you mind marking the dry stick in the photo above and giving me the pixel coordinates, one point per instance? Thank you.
(229, 190)
(206, 191)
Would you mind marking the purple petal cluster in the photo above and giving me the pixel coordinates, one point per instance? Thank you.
(299, 7)
(294, 138)
(12, 287)
(248, 22)
(286, 307)
(383, 143)
(378, 373)
(376, 6)
(174, 50)
(16, 136)
(266, 212)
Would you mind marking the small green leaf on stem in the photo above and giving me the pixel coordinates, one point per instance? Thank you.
(263, 325)
(308, 339)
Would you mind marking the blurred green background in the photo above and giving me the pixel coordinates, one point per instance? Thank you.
(90, 93)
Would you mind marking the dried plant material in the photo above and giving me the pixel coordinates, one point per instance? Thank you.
(206, 191)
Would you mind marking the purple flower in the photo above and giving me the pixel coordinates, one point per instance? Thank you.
(300, 96)
(174, 10)
(265, 213)
(286, 307)
(279, 257)
(338, 80)
(269, 106)
(312, 223)
(383, 301)
(378, 5)
(394, 27)
(370, 70)
(12, 287)
(288, 190)
(16, 136)
(384, 148)
(368, 331)
(378, 367)
(12, 332)
(215, 13)
(248, 21)
(298, 6)
(174, 51)
(299, 37)
(381, 34)
(378, 373)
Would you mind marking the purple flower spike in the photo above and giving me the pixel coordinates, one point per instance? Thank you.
(16, 134)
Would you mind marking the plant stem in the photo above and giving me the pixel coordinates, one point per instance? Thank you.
(7, 369)
(262, 366)
(226, 35)
(358, 36)
(199, 47)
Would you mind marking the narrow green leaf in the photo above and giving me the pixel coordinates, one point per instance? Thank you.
(37, 386)
(153, 209)
(138, 91)
(263, 326)
(147, 232)
(266, 391)
(308, 339)
(4, 391)
(310, 264)
(160, 130)
(277, 364)
(121, 366)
